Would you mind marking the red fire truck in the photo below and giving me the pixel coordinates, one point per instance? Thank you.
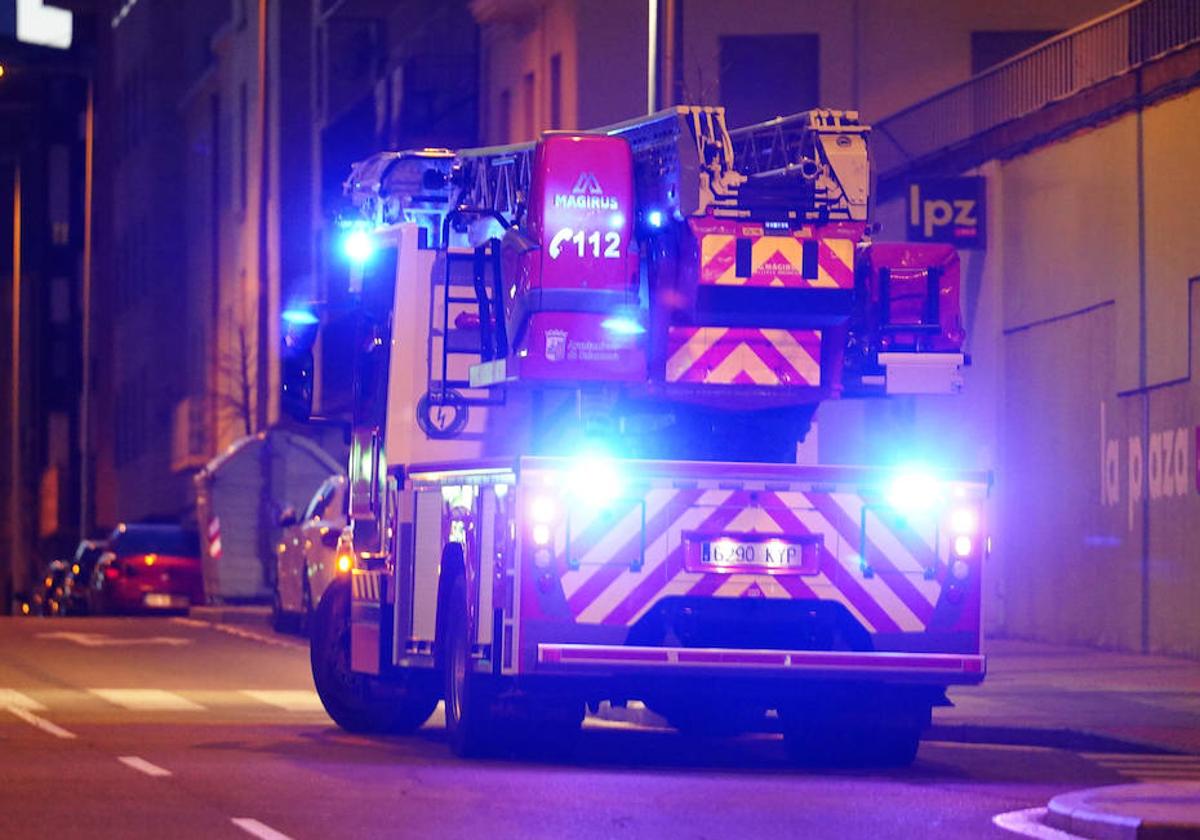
(586, 367)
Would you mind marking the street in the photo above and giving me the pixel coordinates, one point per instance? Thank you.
(152, 727)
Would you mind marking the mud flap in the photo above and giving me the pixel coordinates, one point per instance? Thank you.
(367, 591)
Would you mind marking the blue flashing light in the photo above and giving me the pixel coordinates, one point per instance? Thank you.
(621, 325)
(595, 481)
(915, 492)
(299, 317)
(655, 218)
(358, 246)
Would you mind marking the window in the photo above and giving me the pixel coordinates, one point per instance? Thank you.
(528, 129)
(990, 48)
(765, 76)
(504, 123)
(556, 90)
(243, 151)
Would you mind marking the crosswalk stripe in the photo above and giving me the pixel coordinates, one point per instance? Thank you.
(159, 700)
(146, 699)
(41, 723)
(258, 829)
(143, 766)
(15, 699)
(1128, 758)
(290, 701)
(1149, 767)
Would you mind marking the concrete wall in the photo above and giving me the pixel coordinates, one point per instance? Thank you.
(1084, 406)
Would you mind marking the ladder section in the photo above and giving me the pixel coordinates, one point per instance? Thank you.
(466, 323)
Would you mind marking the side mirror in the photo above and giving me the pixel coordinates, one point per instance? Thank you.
(288, 517)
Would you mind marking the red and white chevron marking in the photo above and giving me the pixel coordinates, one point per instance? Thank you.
(602, 586)
(743, 356)
(214, 538)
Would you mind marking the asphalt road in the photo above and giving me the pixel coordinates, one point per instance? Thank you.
(156, 727)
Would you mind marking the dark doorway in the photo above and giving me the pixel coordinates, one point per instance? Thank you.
(765, 76)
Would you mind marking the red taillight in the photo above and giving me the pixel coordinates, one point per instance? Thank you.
(112, 572)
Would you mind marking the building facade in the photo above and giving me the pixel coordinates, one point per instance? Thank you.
(44, 92)
(584, 63)
(1080, 306)
(225, 131)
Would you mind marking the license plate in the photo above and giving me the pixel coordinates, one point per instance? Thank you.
(754, 554)
(158, 599)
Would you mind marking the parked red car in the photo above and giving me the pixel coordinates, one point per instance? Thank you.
(147, 568)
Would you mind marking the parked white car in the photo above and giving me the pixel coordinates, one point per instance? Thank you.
(306, 557)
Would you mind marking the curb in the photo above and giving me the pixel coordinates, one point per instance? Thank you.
(1129, 812)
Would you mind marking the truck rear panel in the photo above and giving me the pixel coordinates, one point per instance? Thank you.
(593, 567)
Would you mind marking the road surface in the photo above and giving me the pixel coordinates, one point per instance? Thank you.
(158, 727)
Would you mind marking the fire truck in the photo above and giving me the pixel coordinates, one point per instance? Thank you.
(586, 367)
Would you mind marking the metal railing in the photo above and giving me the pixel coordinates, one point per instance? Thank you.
(1060, 67)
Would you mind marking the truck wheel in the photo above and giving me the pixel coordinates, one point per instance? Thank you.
(359, 702)
(468, 701)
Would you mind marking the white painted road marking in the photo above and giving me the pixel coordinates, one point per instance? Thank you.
(143, 766)
(41, 723)
(10, 698)
(93, 640)
(242, 633)
(146, 699)
(260, 830)
(291, 701)
(1029, 823)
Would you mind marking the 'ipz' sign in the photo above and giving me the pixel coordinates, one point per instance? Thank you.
(950, 210)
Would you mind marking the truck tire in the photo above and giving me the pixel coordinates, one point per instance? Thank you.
(359, 702)
(468, 699)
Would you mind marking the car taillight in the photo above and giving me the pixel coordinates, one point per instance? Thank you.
(112, 572)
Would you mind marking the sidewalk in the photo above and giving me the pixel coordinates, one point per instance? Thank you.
(1077, 698)
(1084, 699)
